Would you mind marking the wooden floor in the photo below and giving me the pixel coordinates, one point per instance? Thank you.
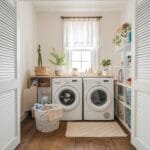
(31, 139)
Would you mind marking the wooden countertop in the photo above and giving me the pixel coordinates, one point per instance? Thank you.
(70, 76)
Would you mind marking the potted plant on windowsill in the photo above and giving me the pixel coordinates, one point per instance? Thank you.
(59, 61)
(105, 63)
(41, 70)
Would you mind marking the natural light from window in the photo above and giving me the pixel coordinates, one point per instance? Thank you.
(81, 43)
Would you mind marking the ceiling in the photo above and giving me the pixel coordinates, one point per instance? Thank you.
(79, 5)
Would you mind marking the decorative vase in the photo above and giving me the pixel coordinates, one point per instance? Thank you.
(59, 70)
(41, 71)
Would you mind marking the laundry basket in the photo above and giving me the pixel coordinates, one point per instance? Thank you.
(47, 118)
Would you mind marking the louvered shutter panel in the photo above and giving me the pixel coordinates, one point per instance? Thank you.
(9, 102)
(143, 40)
(141, 88)
(7, 41)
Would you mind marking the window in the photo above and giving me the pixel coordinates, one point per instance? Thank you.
(81, 43)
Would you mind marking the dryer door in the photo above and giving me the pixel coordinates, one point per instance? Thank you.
(68, 97)
(99, 98)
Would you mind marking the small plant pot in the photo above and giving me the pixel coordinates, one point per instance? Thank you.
(41, 71)
(59, 70)
(75, 72)
(105, 73)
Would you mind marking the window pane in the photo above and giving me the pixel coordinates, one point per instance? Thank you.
(86, 56)
(86, 66)
(77, 65)
(76, 55)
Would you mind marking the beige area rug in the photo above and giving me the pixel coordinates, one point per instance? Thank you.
(94, 129)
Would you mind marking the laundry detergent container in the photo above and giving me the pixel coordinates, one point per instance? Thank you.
(47, 118)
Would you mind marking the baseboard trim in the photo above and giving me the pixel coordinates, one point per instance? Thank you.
(24, 115)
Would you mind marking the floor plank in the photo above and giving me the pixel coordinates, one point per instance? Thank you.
(31, 139)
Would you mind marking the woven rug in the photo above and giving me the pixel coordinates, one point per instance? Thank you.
(94, 129)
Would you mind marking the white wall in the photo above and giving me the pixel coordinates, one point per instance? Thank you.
(49, 32)
(27, 21)
(126, 15)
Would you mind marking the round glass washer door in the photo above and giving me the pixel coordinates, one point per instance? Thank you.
(99, 98)
(68, 97)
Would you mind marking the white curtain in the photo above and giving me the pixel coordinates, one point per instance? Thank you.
(82, 35)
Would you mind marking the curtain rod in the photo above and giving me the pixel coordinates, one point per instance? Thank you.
(80, 17)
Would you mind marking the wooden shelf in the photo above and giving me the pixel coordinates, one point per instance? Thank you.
(124, 85)
(122, 67)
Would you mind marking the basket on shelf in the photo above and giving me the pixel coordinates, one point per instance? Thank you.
(47, 118)
(41, 71)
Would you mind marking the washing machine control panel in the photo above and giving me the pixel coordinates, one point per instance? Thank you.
(99, 80)
(67, 80)
(74, 80)
(106, 81)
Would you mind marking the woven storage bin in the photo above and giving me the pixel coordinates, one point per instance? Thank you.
(43, 123)
(41, 71)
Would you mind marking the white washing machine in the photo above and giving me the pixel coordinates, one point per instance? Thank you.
(98, 99)
(67, 92)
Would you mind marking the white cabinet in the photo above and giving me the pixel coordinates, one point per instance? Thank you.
(123, 104)
(123, 87)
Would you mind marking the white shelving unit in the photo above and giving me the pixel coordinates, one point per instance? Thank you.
(123, 89)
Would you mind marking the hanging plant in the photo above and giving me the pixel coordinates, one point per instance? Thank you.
(117, 40)
(126, 28)
(122, 34)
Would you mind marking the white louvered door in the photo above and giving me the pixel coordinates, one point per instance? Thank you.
(141, 80)
(9, 103)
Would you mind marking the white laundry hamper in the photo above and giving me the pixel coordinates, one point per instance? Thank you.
(42, 117)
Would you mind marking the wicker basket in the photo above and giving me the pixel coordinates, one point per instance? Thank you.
(41, 71)
(43, 123)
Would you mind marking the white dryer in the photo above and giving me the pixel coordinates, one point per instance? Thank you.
(67, 92)
(98, 99)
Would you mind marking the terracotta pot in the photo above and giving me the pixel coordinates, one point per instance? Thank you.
(41, 71)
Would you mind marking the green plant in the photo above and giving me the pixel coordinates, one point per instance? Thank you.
(117, 40)
(106, 62)
(58, 58)
(122, 33)
(75, 69)
(126, 28)
(39, 56)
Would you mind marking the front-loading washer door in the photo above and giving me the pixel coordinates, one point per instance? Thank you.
(68, 97)
(99, 98)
